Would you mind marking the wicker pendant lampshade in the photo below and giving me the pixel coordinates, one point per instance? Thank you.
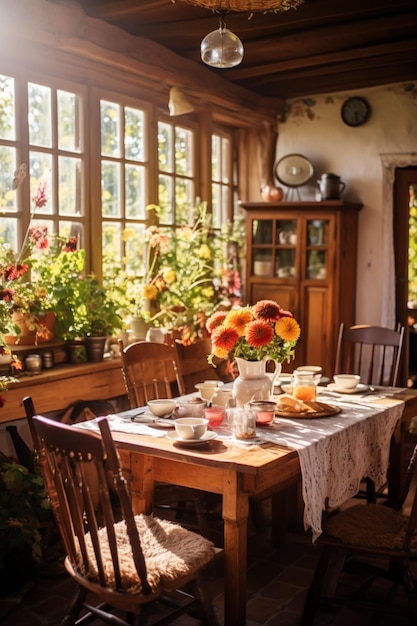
(246, 6)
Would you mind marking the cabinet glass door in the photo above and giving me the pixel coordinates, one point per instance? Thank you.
(317, 249)
(286, 241)
(262, 248)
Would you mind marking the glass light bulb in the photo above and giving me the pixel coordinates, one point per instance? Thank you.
(222, 49)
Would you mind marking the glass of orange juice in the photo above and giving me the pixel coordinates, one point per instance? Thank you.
(304, 386)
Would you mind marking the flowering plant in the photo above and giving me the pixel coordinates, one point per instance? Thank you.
(189, 272)
(254, 333)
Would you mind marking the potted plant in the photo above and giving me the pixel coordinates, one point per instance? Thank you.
(189, 273)
(96, 316)
(23, 505)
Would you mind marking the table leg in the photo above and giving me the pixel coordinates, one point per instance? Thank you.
(235, 517)
(141, 484)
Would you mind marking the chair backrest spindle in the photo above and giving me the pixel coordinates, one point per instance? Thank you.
(373, 352)
(151, 370)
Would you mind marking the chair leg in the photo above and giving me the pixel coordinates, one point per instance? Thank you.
(411, 591)
(205, 607)
(314, 592)
(75, 607)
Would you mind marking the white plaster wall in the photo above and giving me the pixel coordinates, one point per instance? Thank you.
(318, 133)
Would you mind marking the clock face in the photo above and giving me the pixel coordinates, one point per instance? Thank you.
(355, 111)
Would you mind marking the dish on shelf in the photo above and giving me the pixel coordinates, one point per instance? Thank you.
(208, 436)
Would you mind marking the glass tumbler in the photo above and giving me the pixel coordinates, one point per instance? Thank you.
(243, 423)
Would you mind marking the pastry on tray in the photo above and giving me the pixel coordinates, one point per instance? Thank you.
(289, 404)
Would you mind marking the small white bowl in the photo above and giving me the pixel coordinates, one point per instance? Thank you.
(191, 427)
(346, 381)
(162, 407)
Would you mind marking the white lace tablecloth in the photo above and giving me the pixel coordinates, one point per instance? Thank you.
(337, 452)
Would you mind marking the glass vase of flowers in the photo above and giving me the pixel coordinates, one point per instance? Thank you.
(251, 336)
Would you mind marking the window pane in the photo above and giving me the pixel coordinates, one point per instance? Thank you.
(110, 128)
(165, 147)
(110, 189)
(134, 238)
(135, 191)
(8, 232)
(184, 200)
(72, 229)
(69, 196)
(68, 107)
(183, 151)
(216, 204)
(226, 161)
(112, 241)
(7, 108)
(165, 194)
(134, 134)
(39, 106)
(7, 169)
(215, 158)
(40, 167)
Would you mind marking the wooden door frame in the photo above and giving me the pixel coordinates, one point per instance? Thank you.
(403, 178)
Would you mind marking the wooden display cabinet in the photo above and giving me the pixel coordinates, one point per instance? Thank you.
(303, 256)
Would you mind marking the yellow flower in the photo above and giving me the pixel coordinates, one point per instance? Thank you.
(128, 234)
(288, 329)
(204, 252)
(207, 292)
(238, 319)
(150, 292)
(169, 276)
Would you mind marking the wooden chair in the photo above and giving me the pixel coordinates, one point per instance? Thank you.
(374, 352)
(194, 365)
(121, 563)
(373, 532)
(150, 370)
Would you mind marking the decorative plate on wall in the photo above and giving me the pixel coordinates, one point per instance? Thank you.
(293, 170)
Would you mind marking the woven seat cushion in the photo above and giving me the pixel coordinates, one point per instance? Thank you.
(371, 526)
(170, 552)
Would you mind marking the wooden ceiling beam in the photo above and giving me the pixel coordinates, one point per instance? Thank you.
(323, 61)
(68, 29)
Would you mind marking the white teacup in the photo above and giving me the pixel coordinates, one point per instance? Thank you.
(191, 427)
(190, 408)
(346, 381)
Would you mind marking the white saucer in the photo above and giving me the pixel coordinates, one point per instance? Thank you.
(208, 436)
(359, 389)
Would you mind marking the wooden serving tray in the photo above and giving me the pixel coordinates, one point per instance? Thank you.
(316, 409)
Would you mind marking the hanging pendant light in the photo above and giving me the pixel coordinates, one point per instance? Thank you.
(221, 48)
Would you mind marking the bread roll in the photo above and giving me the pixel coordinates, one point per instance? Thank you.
(291, 404)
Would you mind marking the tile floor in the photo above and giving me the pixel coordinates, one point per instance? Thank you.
(277, 584)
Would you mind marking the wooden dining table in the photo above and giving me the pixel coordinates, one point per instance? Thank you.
(237, 472)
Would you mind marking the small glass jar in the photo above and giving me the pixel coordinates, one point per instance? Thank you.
(304, 386)
(243, 423)
(33, 363)
(47, 360)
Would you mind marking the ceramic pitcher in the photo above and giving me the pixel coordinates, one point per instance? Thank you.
(330, 186)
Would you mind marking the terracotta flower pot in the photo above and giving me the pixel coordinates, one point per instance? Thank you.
(29, 337)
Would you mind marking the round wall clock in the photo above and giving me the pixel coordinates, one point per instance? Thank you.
(355, 111)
